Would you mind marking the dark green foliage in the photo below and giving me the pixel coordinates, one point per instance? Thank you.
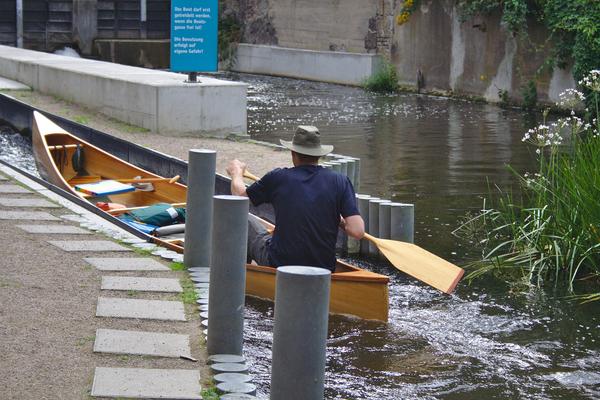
(230, 34)
(385, 80)
(529, 93)
(574, 26)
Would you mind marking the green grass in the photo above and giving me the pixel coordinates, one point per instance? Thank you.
(210, 393)
(81, 119)
(385, 80)
(188, 296)
(177, 266)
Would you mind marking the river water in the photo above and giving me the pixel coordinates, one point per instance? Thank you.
(443, 155)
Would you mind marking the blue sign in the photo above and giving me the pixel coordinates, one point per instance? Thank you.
(194, 25)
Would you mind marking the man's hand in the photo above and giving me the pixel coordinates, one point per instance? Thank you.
(236, 168)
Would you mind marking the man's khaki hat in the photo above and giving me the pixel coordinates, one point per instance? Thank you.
(307, 141)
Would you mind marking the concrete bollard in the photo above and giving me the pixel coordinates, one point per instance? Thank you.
(402, 223)
(300, 333)
(351, 166)
(385, 211)
(326, 165)
(374, 222)
(343, 166)
(336, 166)
(228, 275)
(363, 209)
(199, 207)
(356, 174)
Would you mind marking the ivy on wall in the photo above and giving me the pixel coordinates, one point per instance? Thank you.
(574, 27)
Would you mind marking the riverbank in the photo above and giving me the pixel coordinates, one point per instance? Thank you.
(260, 158)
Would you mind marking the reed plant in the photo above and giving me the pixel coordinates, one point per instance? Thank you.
(550, 232)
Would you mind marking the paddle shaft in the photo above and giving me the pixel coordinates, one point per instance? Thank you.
(147, 180)
(117, 211)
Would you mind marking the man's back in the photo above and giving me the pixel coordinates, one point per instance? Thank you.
(308, 201)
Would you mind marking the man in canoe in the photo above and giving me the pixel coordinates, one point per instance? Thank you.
(310, 203)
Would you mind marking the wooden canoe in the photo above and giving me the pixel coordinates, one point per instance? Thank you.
(354, 291)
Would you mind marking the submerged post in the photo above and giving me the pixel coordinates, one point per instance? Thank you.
(199, 207)
(402, 226)
(228, 275)
(300, 333)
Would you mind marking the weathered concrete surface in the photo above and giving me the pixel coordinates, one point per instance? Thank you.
(142, 343)
(141, 284)
(28, 215)
(54, 229)
(146, 383)
(12, 85)
(157, 100)
(126, 264)
(87, 245)
(337, 67)
(11, 188)
(29, 203)
(145, 309)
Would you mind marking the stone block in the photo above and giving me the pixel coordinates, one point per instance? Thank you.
(13, 202)
(142, 343)
(8, 84)
(28, 215)
(141, 284)
(126, 264)
(87, 245)
(146, 383)
(10, 188)
(54, 229)
(144, 309)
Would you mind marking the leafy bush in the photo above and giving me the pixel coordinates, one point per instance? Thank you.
(529, 93)
(552, 231)
(385, 80)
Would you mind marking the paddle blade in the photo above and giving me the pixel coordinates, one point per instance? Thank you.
(421, 264)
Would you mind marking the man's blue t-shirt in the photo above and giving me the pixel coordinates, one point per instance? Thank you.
(308, 201)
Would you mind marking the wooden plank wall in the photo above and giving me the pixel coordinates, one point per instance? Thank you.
(8, 22)
(120, 19)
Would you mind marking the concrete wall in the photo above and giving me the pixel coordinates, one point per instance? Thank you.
(478, 57)
(156, 100)
(337, 67)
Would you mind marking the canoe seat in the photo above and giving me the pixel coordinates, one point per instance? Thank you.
(78, 180)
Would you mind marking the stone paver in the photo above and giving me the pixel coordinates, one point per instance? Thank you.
(141, 284)
(87, 245)
(146, 383)
(50, 229)
(142, 343)
(10, 188)
(10, 202)
(126, 264)
(144, 309)
(28, 215)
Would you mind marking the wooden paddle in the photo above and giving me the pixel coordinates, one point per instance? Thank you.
(414, 260)
(147, 180)
(117, 211)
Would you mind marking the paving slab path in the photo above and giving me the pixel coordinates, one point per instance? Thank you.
(48, 301)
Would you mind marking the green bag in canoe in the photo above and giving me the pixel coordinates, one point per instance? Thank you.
(161, 214)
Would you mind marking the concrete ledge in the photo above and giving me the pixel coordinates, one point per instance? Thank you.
(156, 100)
(326, 66)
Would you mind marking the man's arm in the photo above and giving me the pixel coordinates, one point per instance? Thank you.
(354, 226)
(235, 170)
